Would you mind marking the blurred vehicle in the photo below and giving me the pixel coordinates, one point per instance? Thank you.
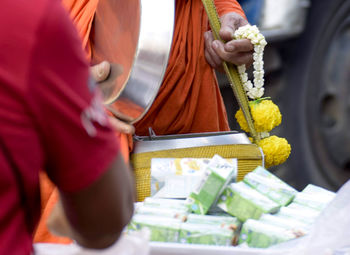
(307, 65)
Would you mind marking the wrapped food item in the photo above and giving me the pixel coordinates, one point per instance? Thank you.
(262, 235)
(304, 215)
(215, 178)
(162, 229)
(175, 204)
(244, 202)
(176, 177)
(270, 185)
(180, 214)
(314, 197)
(313, 189)
(206, 234)
(297, 227)
(227, 222)
(309, 210)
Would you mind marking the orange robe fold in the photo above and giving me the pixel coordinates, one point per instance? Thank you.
(82, 13)
(189, 99)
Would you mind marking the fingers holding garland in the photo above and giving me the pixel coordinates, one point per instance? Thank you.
(234, 53)
(239, 45)
(212, 57)
(229, 23)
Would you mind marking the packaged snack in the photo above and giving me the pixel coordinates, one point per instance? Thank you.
(297, 227)
(227, 222)
(205, 234)
(306, 215)
(176, 177)
(309, 210)
(162, 229)
(244, 202)
(175, 204)
(215, 178)
(163, 212)
(270, 185)
(313, 189)
(314, 197)
(262, 235)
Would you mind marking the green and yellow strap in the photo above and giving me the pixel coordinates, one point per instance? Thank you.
(231, 70)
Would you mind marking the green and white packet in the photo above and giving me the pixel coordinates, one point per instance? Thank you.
(314, 197)
(304, 215)
(228, 222)
(259, 234)
(244, 202)
(297, 227)
(162, 229)
(205, 234)
(163, 212)
(176, 177)
(270, 185)
(174, 204)
(313, 189)
(307, 209)
(216, 177)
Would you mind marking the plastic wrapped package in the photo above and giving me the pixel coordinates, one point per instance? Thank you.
(317, 201)
(162, 229)
(175, 204)
(163, 212)
(244, 202)
(270, 185)
(206, 234)
(304, 215)
(175, 177)
(262, 234)
(218, 174)
(299, 228)
(228, 222)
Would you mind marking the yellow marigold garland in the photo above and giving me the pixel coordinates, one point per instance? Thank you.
(276, 150)
(266, 115)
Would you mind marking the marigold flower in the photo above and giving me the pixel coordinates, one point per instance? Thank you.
(266, 115)
(276, 150)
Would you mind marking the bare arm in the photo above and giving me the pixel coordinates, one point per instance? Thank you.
(97, 215)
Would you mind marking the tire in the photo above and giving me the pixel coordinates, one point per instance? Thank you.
(315, 98)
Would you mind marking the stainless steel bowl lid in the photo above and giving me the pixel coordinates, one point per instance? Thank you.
(167, 142)
(136, 34)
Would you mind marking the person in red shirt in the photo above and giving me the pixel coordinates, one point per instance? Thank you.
(51, 118)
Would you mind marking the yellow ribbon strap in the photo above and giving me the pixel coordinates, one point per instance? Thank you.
(231, 70)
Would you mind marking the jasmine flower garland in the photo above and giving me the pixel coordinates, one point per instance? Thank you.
(256, 90)
(265, 113)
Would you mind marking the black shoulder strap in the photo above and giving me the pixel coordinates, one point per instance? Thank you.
(30, 222)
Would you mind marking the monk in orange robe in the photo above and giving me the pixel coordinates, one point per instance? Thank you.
(189, 99)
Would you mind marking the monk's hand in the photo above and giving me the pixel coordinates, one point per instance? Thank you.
(120, 125)
(238, 52)
(101, 73)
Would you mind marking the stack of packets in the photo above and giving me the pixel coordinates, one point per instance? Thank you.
(177, 177)
(171, 220)
(259, 211)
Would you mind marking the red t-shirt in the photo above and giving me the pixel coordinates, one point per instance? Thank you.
(50, 115)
